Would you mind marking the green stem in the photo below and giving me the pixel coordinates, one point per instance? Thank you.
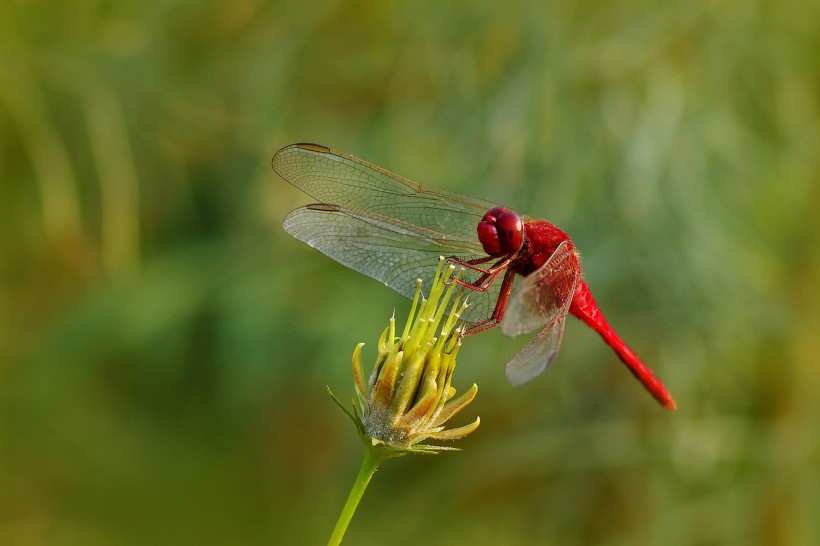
(373, 456)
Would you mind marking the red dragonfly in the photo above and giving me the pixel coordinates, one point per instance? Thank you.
(394, 230)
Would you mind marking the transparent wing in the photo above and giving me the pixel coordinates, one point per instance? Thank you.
(395, 254)
(537, 355)
(543, 294)
(542, 299)
(352, 184)
(381, 224)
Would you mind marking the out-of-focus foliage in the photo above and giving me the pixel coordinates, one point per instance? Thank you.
(164, 346)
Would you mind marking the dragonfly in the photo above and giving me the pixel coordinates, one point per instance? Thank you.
(525, 273)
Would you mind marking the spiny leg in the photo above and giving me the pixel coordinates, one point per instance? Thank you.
(488, 275)
(500, 307)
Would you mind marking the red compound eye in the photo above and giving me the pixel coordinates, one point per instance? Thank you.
(501, 232)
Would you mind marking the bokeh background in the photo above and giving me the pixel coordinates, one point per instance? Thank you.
(165, 346)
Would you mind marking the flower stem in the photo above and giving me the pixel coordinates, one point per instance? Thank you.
(373, 456)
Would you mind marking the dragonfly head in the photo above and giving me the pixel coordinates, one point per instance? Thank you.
(501, 232)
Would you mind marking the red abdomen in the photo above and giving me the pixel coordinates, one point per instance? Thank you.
(584, 307)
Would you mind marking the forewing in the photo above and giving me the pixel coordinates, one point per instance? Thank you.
(380, 248)
(336, 178)
(544, 294)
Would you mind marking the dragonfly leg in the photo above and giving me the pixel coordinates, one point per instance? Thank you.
(488, 275)
(500, 307)
(470, 264)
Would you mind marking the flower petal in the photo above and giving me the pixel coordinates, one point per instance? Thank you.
(456, 433)
(382, 391)
(455, 406)
(358, 375)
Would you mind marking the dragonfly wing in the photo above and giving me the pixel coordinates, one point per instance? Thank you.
(542, 299)
(337, 178)
(544, 294)
(393, 253)
(537, 355)
(382, 224)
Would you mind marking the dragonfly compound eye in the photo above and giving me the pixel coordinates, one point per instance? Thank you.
(501, 232)
(510, 230)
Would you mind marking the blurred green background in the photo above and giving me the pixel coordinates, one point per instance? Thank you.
(165, 346)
